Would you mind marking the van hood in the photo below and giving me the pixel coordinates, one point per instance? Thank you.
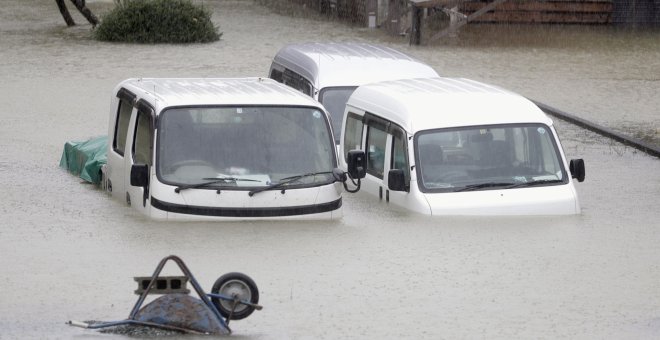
(551, 200)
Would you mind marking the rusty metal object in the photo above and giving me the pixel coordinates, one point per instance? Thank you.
(181, 311)
(193, 282)
(175, 310)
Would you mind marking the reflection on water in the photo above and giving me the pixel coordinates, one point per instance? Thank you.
(70, 252)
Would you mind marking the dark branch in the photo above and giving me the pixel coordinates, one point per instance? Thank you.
(65, 13)
(80, 5)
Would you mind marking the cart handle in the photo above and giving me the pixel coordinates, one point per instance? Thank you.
(243, 302)
(77, 324)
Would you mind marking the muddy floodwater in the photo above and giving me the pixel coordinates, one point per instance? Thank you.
(70, 252)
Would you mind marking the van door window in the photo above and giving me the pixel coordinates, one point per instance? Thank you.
(121, 125)
(399, 159)
(353, 134)
(142, 141)
(376, 139)
(334, 100)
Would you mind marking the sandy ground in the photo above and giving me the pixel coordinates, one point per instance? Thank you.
(70, 252)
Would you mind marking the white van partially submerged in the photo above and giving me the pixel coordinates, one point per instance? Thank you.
(192, 149)
(448, 146)
(330, 72)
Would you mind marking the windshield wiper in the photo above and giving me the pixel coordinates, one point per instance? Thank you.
(507, 185)
(287, 180)
(473, 187)
(213, 180)
(534, 183)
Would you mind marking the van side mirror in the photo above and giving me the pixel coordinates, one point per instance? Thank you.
(356, 164)
(396, 181)
(576, 167)
(140, 175)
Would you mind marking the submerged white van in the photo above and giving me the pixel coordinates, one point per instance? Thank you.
(195, 149)
(448, 146)
(330, 72)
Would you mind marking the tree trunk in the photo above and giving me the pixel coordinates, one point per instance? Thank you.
(80, 5)
(65, 13)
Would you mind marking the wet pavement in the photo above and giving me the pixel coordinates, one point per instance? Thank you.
(70, 252)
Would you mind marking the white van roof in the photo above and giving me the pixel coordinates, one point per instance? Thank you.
(166, 92)
(350, 64)
(429, 103)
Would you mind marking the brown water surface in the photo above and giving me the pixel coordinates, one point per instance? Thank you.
(70, 252)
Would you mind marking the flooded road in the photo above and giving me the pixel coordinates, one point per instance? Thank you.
(70, 252)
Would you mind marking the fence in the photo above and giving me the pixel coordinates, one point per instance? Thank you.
(395, 16)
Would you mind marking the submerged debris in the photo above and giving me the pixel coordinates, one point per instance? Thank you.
(234, 297)
(137, 330)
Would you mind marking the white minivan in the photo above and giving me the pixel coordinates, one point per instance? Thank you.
(197, 149)
(447, 146)
(330, 72)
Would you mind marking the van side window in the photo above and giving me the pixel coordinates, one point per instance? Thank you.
(121, 126)
(376, 139)
(142, 146)
(353, 134)
(399, 159)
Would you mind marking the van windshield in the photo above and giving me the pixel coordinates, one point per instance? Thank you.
(243, 147)
(488, 157)
(334, 100)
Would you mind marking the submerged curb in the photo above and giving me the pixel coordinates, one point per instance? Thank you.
(617, 136)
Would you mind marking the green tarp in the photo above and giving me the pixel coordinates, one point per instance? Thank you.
(85, 159)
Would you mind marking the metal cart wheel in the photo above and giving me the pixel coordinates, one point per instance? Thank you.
(239, 287)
